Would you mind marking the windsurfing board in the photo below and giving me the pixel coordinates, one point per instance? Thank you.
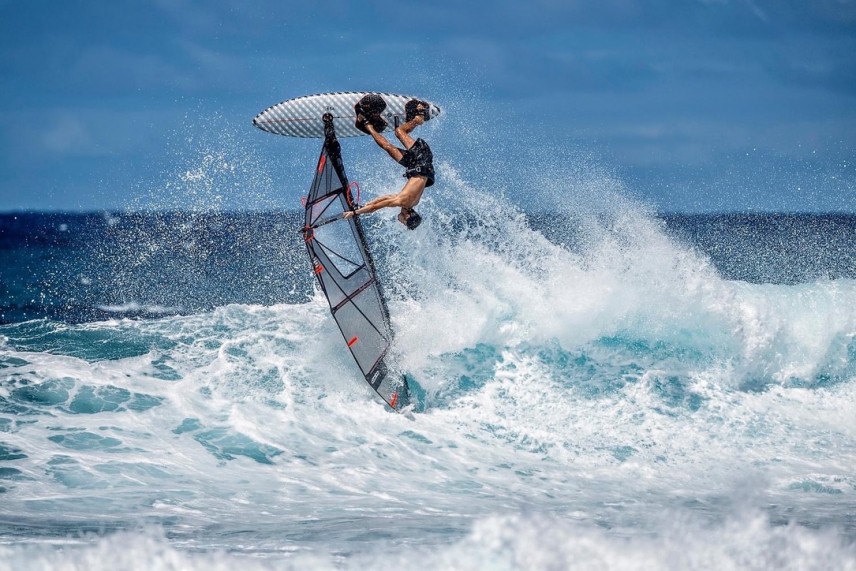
(301, 116)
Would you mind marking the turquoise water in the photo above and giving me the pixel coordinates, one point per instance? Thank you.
(600, 389)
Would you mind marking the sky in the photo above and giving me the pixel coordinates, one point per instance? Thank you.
(690, 105)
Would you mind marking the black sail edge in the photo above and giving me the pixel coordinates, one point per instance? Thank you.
(346, 273)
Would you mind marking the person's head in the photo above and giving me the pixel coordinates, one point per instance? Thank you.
(409, 218)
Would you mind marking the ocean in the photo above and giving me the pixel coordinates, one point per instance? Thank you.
(598, 387)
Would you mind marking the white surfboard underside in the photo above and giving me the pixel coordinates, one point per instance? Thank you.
(301, 116)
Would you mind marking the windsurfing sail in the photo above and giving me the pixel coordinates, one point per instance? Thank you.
(346, 273)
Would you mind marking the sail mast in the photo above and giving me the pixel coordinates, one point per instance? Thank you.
(346, 272)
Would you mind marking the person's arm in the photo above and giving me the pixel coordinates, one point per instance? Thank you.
(388, 201)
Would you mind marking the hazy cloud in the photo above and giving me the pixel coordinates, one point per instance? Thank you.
(667, 87)
(69, 136)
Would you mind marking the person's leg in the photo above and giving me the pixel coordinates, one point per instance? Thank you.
(404, 137)
(384, 144)
(403, 131)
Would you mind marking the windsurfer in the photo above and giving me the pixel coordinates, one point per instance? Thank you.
(416, 157)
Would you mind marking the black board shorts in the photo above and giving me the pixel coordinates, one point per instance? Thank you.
(419, 161)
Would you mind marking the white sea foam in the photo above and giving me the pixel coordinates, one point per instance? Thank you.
(499, 282)
(573, 394)
(745, 541)
(133, 307)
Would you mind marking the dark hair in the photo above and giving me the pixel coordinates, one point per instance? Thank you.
(413, 220)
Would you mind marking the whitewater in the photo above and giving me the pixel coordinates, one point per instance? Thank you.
(591, 394)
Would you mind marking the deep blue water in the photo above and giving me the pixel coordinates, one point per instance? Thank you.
(81, 267)
(601, 388)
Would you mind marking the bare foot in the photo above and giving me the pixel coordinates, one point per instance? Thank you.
(360, 122)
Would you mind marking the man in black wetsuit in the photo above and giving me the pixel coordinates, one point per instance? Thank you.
(416, 157)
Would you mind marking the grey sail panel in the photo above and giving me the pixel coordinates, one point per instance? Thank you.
(345, 272)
